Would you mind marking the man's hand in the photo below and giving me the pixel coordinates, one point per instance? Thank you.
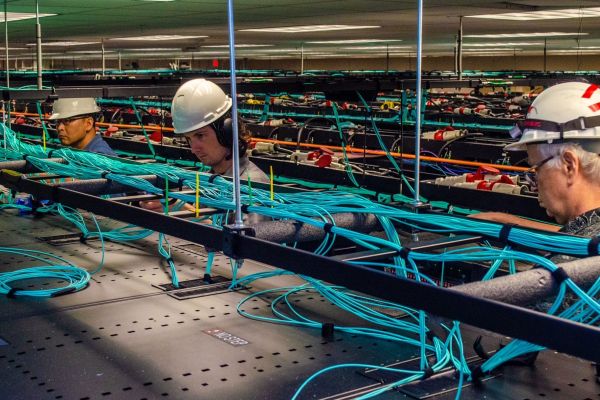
(153, 205)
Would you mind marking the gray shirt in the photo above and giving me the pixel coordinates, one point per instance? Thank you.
(249, 169)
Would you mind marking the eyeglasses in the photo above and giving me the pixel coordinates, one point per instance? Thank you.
(531, 173)
(65, 122)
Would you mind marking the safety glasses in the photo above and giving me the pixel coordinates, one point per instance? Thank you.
(531, 173)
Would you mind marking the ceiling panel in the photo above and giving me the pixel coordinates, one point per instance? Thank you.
(80, 20)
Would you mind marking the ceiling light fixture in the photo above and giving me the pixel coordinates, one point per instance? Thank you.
(377, 47)
(158, 37)
(351, 41)
(15, 16)
(589, 12)
(525, 34)
(63, 44)
(500, 44)
(218, 46)
(310, 28)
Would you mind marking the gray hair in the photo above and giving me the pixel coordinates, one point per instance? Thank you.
(590, 162)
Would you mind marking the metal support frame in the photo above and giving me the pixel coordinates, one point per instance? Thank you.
(417, 197)
(459, 49)
(507, 319)
(38, 37)
(239, 223)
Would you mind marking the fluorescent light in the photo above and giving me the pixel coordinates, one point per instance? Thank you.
(587, 47)
(14, 48)
(493, 53)
(62, 44)
(575, 51)
(15, 16)
(281, 50)
(524, 34)
(90, 51)
(541, 15)
(351, 41)
(377, 47)
(479, 49)
(158, 37)
(310, 28)
(500, 44)
(152, 49)
(240, 45)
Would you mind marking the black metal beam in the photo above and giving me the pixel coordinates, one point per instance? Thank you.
(503, 318)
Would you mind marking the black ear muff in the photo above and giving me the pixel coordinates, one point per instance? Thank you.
(227, 133)
(225, 136)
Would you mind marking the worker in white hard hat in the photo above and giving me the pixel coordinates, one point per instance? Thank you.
(561, 134)
(76, 125)
(201, 112)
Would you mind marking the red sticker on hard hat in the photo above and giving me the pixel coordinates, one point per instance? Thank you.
(590, 91)
(595, 107)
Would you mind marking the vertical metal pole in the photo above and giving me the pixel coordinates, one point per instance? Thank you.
(234, 116)
(387, 58)
(418, 105)
(545, 54)
(302, 59)
(456, 55)
(103, 59)
(460, 40)
(38, 37)
(6, 44)
(119, 57)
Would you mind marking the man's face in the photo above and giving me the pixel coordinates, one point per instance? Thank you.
(553, 188)
(206, 147)
(72, 132)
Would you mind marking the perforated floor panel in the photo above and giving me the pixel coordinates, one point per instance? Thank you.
(123, 338)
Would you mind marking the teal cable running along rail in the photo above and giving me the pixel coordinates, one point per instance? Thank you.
(300, 206)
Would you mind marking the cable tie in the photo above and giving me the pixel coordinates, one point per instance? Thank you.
(593, 246)
(50, 153)
(327, 329)
(476, 374)
(328, 227)
(172, 201)
(25, 157)
(212, 178)
(505, 232)
(11, 293)
(104, 173)
(245, 208)
(83, 238)
(170, 260)
(405, 252)
(180, 183)
(560, 275)
(427, 373)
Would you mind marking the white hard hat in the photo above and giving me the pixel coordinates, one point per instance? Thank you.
(196, 104)
(73, 107)
(565, 112)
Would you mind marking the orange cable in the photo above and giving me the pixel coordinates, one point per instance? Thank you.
(355, 150)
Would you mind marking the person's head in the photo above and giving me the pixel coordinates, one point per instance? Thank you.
(201, 112)
(561, 134)
(75, 121)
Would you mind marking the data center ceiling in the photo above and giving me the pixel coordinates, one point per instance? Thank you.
(392, 22)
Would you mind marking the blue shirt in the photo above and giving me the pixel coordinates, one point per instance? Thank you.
(98, 145)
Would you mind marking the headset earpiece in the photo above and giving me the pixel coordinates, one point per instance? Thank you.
(227, 133)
